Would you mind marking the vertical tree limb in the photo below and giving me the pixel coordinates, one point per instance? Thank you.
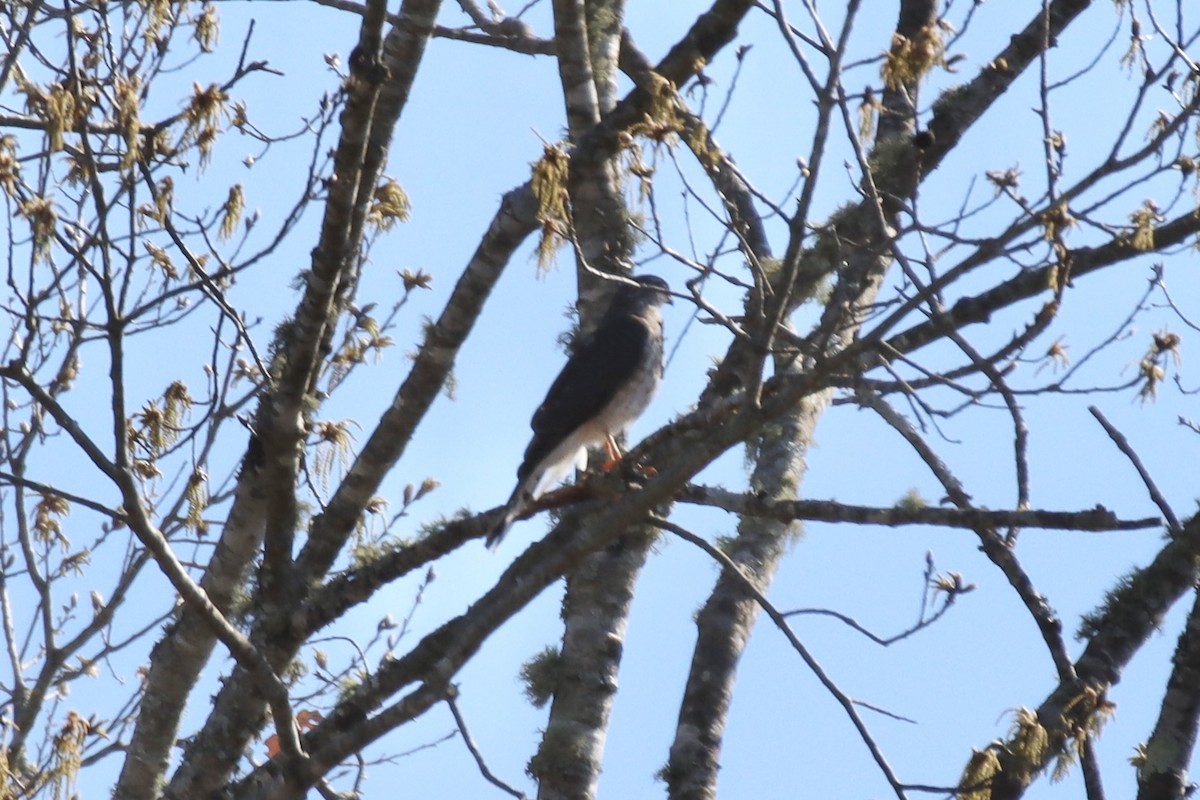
(724, 624)
(1162, 765)
(358, 160)
(598, 593)
(575, 66)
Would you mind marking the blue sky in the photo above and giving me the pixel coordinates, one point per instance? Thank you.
(476, 121)
(960, 680)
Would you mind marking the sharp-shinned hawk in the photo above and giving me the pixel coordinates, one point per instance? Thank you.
(607, 383)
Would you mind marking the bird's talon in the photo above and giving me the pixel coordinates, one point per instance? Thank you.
(636, 470)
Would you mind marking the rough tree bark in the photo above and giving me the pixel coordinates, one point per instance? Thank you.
(276, 576)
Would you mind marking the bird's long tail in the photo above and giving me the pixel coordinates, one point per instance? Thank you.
(512, 509)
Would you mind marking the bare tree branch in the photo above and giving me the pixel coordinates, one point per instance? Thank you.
(1093, 519)
(1123, 445)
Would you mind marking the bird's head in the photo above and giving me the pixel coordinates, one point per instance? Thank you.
(646, 291)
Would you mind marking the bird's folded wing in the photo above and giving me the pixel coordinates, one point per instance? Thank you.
(598, 369)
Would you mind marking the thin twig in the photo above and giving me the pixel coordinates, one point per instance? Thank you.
(1123, 445)
(885, 712)
(874, 637)
(1090, 764)
(451, 701)
(846, 702)
(51, 491)
(997, 550)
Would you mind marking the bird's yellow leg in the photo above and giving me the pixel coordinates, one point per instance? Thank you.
(615, 455)
(612, 451)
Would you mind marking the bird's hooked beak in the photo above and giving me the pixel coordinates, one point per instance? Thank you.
(659, 285)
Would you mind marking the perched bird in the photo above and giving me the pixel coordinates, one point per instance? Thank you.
(607, 383)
